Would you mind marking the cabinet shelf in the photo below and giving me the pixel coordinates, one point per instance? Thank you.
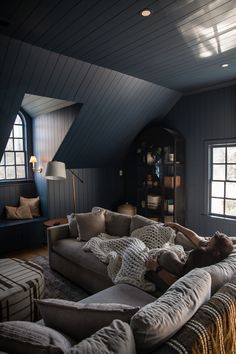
(160, 174)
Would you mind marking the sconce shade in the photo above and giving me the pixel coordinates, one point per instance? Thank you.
(33, 159)
(55, 170)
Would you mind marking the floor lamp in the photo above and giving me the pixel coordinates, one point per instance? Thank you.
(56, 171)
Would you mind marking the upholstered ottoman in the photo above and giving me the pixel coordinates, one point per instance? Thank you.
(20, 283)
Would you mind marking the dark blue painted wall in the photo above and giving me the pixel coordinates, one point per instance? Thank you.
(101, 187)
(115, 108)
(199, 117)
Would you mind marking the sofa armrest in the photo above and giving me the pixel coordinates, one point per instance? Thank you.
(55, 233)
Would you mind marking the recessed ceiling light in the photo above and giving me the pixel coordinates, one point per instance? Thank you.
(145, 12)
(224, 65)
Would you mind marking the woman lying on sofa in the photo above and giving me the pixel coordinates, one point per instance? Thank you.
(168, 267)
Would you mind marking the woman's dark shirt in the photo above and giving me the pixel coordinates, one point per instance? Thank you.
(198, 258)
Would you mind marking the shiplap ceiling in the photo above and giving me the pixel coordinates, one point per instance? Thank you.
(180, 46)
(37, 105)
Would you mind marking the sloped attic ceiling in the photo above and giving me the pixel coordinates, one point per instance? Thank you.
(180, 46)
(85, 51)
(115, 106)
(38, 105)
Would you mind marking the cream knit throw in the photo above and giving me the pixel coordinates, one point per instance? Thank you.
(126, 256)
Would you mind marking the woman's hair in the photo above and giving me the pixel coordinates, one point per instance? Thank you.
(223, 244)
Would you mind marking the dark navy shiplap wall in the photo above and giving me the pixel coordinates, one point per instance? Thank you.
(10, 193)
(200, 117)
(101, 187)
(115, 106)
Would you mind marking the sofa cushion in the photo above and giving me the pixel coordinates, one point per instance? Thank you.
(182, 240)
(116, 338)
(117, 224)
(73, 251)
(138, 221)
(122, 294)
(28, 337)
(211, 329)
(156, 322)
(79, 320)
(90, 224)
(222, 272)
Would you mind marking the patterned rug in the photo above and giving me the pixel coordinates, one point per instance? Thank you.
(57, 286)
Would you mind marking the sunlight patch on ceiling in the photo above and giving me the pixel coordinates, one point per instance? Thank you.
(216, 35)
(38, 105)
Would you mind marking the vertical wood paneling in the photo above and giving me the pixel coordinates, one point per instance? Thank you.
(200, 117)
(115, 107)
(101, 186)
(11, 192)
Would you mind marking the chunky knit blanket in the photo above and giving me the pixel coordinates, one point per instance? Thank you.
(126, 256)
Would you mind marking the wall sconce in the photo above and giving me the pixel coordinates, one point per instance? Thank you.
(33, 160)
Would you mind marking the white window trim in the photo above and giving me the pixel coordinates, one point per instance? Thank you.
(207, 175)
(6, 180)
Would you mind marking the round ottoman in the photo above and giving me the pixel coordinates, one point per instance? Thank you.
(20, 283)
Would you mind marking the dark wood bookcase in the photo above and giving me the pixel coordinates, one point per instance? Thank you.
(160, 174)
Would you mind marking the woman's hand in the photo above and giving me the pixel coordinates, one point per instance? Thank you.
(152, 264)
(173, 225)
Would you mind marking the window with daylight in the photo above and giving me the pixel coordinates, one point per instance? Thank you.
(13, 163)
(222, 179)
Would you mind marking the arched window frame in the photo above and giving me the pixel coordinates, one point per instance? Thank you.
(13, 165)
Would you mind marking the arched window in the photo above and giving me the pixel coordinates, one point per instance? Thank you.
(13, 163)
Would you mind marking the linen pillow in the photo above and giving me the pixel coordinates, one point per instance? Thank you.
(80, 320)
(158, 321)
(116, 338)
(138, 221)
(182, 240)
(33, 203)
(29, 337)
(117, 224)
(211, 329)
(222, 271)
(90, 224)
(22, 212)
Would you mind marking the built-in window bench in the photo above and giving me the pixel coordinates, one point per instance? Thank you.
(20, 234)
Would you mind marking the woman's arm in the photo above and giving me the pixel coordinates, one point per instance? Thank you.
(166, 277)
(190, 234)
(168, 262)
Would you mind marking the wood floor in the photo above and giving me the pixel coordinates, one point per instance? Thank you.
(28, 254)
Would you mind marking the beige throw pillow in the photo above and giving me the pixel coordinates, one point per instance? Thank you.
(117, 224)
(30, 338)
(90, 224)
(33, 203)
(22, 212)
(80, 320)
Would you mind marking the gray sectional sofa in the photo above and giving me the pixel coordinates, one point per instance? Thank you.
(194, 315)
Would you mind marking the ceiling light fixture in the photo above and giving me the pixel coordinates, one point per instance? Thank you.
(145, 12)
(224, 65)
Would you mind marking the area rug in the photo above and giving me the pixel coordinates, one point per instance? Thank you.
(57, 286)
